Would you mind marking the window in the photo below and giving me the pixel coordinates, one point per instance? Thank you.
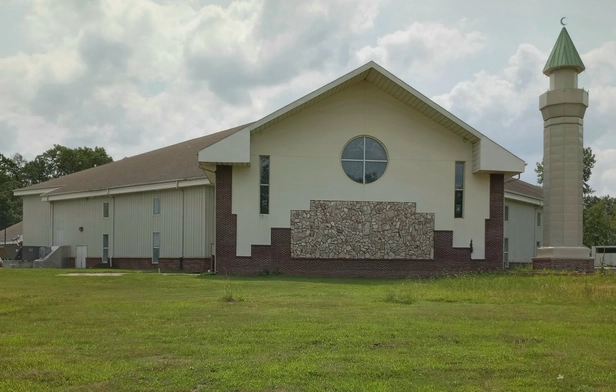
(459, 190)
(105, 248)
(264, 184)
(506, 250)
(105, 210)
(364, 159)
(538, 244)
(155, 247)
(156, 206)
(538, 219)
(506, 213)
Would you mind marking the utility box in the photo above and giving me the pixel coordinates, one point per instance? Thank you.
(32, 253)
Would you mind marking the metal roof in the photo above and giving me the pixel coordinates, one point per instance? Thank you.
(172, 163)
(524, 188)
(564, 55)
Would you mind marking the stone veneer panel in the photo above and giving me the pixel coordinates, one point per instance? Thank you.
(362, 230)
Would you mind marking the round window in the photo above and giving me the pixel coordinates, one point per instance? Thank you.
(364, 159)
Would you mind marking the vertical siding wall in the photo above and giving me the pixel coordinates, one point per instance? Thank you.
(185, 213)
(37, 221)
(188, 213)
(199, 221)
(70, 215)
(522, 231)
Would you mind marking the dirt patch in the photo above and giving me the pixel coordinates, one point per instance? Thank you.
(94, 274)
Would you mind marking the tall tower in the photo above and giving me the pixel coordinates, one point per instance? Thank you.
(563, 107)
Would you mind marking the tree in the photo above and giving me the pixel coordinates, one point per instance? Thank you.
(16, 172)
(10, 205)
(589, 163)
(60, 161)
(599, 224)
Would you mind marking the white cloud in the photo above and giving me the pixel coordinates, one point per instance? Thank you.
(137, 75)
(603, 178)
(509, 92)
(422, 47)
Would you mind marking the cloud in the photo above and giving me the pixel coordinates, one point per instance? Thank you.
(503, 105)
(603, 178)
(422, 47)
(509, 93)
(137, 75)
(259, 44)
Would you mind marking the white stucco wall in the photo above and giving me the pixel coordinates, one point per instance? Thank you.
(522, 231)
(305, 152)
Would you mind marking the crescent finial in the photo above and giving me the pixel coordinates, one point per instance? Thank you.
(562, 20)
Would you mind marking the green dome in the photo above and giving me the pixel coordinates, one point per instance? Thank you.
(564, 55)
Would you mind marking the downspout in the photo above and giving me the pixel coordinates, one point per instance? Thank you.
(535, 233)
(112, 231)
(177, 186)
(51, 215)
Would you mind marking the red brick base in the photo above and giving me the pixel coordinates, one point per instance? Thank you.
(276, 258)
(142, 263)
(581, 265)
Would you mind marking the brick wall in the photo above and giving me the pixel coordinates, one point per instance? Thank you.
(585, 265)
(277, 256)
(144, 263)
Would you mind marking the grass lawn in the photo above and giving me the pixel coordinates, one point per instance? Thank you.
(145, 331)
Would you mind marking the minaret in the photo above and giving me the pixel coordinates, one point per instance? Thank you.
(563, 107)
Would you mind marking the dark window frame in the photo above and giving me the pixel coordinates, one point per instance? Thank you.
(155, 247)
(365, 160)
(458, 197)
(105, 257)
(155, 210)
(505, 250)
(264, 184)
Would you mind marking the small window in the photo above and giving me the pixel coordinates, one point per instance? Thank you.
(156, 206)
(105, 210)
(538, 219)
(506, 250)
(264, 182)
(506, 213)
(155, 247)
(459, 190)
(364, 160)
(105, 248)
(538, 244)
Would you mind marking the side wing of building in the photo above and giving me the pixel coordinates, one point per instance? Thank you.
(130, 230)
(523, 222)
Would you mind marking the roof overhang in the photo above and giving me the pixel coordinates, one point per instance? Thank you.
(125, 190)
(523, 198)
(33, 192)
(235, 149)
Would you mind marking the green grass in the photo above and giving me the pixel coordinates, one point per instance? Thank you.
(145, 331)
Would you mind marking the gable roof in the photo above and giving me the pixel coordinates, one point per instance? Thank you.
(487, 155)
(523, 188)
(563, 55)
(172, 163)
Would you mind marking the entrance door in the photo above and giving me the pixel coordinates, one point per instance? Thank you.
(80, 256)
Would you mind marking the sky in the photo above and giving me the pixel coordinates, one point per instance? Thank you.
(132, 76)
